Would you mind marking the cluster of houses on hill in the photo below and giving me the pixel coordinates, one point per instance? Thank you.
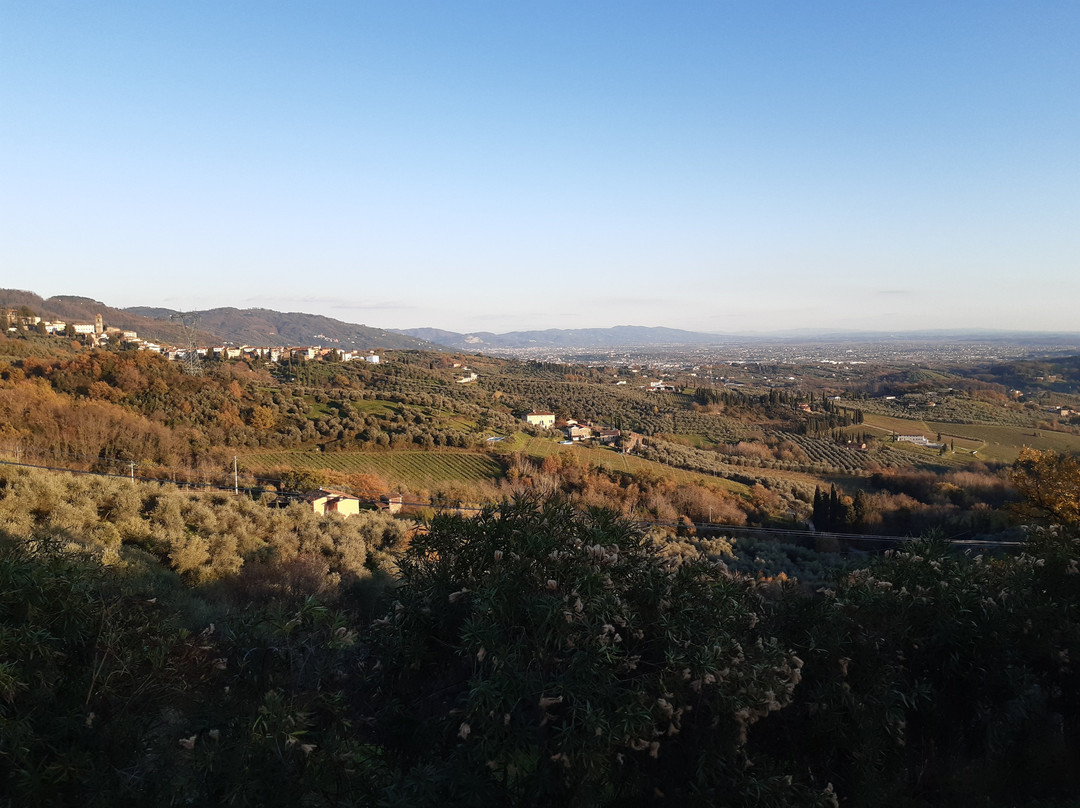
(576, 430)
(265, 353)
(98, 334)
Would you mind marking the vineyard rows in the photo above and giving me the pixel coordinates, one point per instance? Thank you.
(826, 452)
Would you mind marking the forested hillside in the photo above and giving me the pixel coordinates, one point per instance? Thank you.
(269, 327)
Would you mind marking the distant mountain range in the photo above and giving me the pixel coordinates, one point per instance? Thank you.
(619, 336)
(629, 336)
(269, 327)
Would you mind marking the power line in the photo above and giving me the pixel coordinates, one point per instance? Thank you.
(189, 322)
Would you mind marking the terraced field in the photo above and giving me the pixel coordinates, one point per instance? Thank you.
(407, 467)
(612, 460)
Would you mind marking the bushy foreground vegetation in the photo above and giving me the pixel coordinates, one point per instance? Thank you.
(538, 655)
(205, 538)
(543, 656)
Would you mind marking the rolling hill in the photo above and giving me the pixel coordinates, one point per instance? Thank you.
(269, 327)
(76, 309)
(216, 326)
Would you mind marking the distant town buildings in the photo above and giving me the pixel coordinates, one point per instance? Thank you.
(93, 333)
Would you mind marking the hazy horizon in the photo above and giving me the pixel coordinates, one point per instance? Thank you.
(722, 168)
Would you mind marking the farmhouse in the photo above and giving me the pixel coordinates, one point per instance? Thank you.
(324, 500)
(576, 431)
(919, 440)
(540, 418)
(608, 435)
(393, 503)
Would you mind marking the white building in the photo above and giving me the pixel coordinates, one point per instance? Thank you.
(543, 419)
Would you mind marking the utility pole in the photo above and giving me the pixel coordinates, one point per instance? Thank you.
(235, 477)
(132, 465)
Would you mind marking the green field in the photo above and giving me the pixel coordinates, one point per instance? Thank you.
(316, 409)
(886, 425)
(408, 467)
(691, 439)
(379, 407)
(1003, 443)
(976, 441)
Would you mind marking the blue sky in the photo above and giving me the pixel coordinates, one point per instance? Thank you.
(727, 167)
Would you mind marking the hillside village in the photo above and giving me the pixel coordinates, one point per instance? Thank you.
(98, 334)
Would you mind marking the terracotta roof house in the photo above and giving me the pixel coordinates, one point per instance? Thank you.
(609, 435)
(323, 500)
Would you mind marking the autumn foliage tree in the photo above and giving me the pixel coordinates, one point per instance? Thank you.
(1050, 486)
